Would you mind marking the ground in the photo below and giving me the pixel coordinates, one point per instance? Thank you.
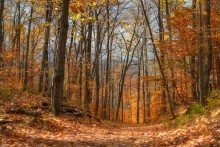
(24, 121)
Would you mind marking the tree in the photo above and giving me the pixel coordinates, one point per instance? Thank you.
(44, 74)
(27, 49)
(1, 30)
(130, 48)
(200, 56)
(193, 66)
(162, 54)
(97, 62)
(60, 63)
(158, 60)
(88, 91)
(208, 63)
(107, 96)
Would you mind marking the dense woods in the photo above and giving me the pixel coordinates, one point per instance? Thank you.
(127, 61)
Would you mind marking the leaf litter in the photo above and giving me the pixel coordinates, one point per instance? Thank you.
(45, 129)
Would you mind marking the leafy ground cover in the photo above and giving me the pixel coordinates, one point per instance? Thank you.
(25, 121)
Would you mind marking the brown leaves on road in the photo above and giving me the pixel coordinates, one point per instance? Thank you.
(66, 130)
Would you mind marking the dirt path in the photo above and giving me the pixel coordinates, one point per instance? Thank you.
(35, 126)
(64, 132)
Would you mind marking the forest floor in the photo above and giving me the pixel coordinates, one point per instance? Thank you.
(25, 122)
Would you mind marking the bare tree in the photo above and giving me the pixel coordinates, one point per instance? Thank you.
(158, 60)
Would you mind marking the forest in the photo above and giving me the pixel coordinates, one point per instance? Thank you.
(110, 72)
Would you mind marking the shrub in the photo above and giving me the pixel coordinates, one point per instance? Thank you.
(196, 109)
(213, 102)
(191, 113)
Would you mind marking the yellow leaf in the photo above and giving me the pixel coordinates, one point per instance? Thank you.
(76, 17)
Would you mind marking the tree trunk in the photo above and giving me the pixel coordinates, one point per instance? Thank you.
(82, 41)
(162, 54)
(27, 51)
(208, 65)
(107, 64)
(69, 56)
(88, 88)
(124, 70)
(18, 50)
(158, 60)
(193, 60)
(1, 29)
(218, 69)
(200, 56)
(44, 74)
(98, 50)
(138, 89)
(60, 64)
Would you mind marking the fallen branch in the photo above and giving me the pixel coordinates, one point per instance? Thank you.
(4, 121)
(23, 112)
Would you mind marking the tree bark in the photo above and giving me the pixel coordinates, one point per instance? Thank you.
(98, 50)
(192, 58)
(44, 74)
(1, 29)
(27, 51)
(218, 69)
(200, 56)
(69, 55)
(107, 64)
(162, 54)
(208, 64)
(138, 89)
(88, 90)
(158, 60)
(60, 64)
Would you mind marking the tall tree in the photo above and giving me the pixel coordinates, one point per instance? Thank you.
(208, 64)
(82, 42)
(130, 50)
(27, 49)
(1, 29)
(162, 54)
(44, 74)
(88, 91)
(157, 57)
(18, 50)
(97, 62)
(107, 97)
(193, 60)
(200, 56)
(60, 62)
(139, 86)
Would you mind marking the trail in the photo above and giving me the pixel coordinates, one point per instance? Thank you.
(53, 132)
(39, 127)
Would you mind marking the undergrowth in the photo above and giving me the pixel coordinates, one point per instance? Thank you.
(197, 111)
(213, 101)
(5, 93)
